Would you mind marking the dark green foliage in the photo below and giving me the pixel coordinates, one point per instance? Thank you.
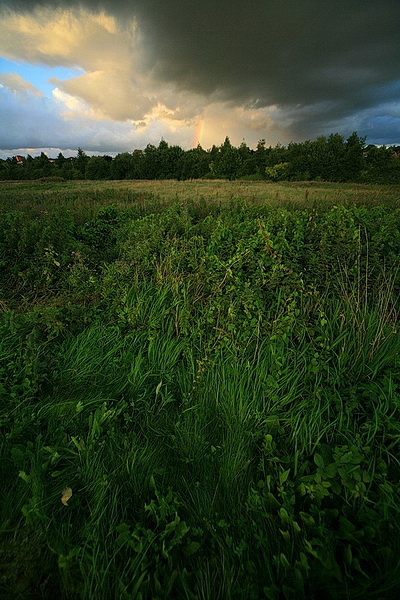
(217, 383)
(124, 166)
(97, 167)
(81, 162)
(331, 158)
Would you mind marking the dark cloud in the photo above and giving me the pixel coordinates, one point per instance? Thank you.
(302, 55)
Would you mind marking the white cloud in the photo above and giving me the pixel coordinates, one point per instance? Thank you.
(111, 92)
(72, 108)
(66, 122)
(16, 84)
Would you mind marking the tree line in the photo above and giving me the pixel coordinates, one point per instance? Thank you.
(331, 158)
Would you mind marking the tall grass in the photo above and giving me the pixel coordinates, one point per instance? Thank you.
(218, 386)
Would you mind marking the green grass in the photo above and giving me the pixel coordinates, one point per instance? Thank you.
(213, 369)
(42, 196)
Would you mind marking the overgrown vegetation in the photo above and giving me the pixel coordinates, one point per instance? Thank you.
(199, 396)
(331, 158)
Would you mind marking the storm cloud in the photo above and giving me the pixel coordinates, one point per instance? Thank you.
(313, 63)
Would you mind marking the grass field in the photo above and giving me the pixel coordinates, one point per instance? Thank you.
(199, 390)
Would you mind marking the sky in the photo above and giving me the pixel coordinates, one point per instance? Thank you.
(110, 76)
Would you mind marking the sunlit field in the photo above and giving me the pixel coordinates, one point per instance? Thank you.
(126, 193)
(199, 390)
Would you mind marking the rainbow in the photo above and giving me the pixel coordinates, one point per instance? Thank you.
(198, 134)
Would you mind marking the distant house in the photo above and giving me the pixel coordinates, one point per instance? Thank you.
(19, 159)
(396, 151)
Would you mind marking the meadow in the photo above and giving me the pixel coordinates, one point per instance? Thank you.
(199, 390)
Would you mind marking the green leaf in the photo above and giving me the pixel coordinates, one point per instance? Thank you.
(283, 560)
(306, 518)
(191, 548)
(271, 593)
(346, 525)
(284, 515)
(285, 535)
(302, 564)
(181, 529)
(356, 565)
(283, 476)
(299, 580)
(273, 502)
(122, 527)
(24, 476)
(347, 556)
(319, 461)
(296, 527)
(330, 470)
(123, 537)
(288, 592)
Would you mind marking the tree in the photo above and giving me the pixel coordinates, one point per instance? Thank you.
(168, 161)
(138, 157)
(60, 160)
(81, 162)
(354, 158)
(278, 172)
(41, 166)
(248, 164)
(260, 156)
(335, 158)
(194, 163)
(227, 162)
(298, 155)
(97, 168)
(122, 167)
(150, 166)
(381, 165)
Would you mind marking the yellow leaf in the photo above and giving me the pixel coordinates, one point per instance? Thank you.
(66, 495)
